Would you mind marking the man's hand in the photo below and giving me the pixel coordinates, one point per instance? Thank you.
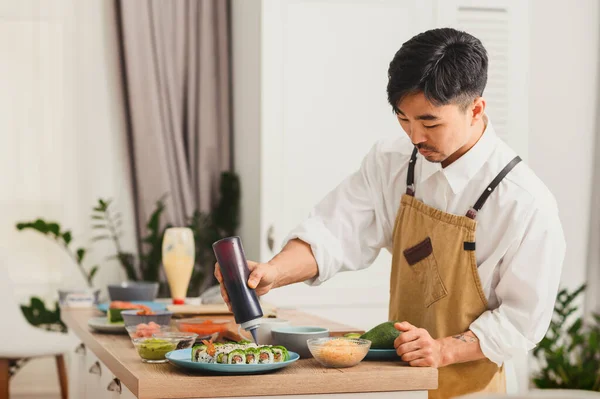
(262, 278)
(415, 346)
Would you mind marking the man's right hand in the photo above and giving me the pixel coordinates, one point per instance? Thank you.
(262, 278)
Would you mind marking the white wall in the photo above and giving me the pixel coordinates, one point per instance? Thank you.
(563, 105)
(563, 95)
(63, 139)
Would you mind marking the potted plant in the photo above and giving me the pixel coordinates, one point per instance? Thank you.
(220, 222)
(570, 351)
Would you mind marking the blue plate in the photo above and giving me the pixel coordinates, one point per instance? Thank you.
(382, 354)
(182, 358)
(103, 307)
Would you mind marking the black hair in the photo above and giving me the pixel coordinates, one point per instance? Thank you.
(448, 66)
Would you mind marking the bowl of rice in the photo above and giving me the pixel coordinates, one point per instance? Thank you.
(339, 352)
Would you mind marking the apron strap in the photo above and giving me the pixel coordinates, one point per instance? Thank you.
(472, 213)
(410, 176)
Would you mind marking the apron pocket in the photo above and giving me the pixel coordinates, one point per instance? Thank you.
(422, 261)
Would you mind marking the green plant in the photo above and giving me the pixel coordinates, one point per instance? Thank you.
(149, 255)
(37, 315)
(109, 223)
(221, 222)
(53, 231)
(570, 353)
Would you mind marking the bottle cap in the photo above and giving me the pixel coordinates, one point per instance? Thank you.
(251, 326)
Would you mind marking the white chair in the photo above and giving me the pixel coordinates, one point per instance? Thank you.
(21, 340)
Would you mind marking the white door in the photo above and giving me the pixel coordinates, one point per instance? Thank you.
(502, 26)
(324, 106)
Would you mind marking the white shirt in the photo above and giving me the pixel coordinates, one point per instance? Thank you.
(520, 243)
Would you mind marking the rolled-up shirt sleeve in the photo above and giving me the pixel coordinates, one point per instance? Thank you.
(345, 229)
(529, 280)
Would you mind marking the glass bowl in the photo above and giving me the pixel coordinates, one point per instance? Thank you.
(203, 327)
(134, 317)
(144, 330)
(184, 339)
(154, 348)
(339, 352)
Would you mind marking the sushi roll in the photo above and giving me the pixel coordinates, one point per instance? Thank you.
(280, 354)
(251, 355)
(206, 353)
(205, 357)
(196, 350)
(265, 355)
(222, 355)
(237, 356)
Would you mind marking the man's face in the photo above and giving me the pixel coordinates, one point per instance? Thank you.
(437, 131)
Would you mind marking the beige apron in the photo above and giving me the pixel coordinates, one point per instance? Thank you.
(435, 284)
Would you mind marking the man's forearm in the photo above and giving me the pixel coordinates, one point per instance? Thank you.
(295, 263)
(460, 348)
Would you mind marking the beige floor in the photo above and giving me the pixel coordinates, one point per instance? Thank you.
(38, 379)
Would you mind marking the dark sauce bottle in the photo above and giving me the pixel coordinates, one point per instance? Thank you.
(234, 269)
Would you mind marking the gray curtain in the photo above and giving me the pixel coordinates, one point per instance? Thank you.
(176, 71)
(176, 74)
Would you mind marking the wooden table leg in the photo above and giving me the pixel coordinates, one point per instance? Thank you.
(4, 377)
(62, 376)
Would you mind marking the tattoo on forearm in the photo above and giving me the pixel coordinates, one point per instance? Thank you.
(465, 338)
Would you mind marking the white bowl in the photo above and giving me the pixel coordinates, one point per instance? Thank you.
(294, 338)
(265, 337)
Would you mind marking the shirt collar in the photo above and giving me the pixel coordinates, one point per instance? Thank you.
(461, 171)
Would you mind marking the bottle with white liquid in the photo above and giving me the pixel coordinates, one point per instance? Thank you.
(178, 254)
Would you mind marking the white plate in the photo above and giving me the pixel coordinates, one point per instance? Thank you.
(101, 324)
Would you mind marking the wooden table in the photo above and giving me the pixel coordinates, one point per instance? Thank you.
(304, 377)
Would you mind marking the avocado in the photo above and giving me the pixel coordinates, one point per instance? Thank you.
(352, 335)
(382, 336)
(114, 315)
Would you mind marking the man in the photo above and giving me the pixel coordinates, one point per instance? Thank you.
(476, 241)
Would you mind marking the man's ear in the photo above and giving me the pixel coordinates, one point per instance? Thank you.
(477, 110)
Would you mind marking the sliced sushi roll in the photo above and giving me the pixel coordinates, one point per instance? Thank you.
(222, 356)
(280, 354)
(237, 356)
(205, 357)
(265, 355)
(208, 354)
(196, 350)
(251, 355)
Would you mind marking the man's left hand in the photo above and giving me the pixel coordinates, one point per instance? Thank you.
(416, 346)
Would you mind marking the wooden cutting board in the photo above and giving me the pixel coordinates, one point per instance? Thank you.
(214, 310)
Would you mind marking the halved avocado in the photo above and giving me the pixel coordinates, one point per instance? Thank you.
(352, 335)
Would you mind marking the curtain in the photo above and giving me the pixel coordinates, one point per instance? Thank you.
(176, 71)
